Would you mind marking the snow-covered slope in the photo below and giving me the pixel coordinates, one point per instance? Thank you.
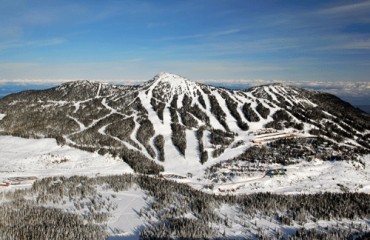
(300, 178)
(21, 157)
(271, 138)
(179, 124)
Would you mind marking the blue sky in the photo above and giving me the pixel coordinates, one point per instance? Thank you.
(215, 40)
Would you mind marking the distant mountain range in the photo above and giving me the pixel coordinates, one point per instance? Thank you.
(171, 120)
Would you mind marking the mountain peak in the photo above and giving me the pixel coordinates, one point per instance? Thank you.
(168, 84)
(76, 83)
(173, 80)
(170, 78)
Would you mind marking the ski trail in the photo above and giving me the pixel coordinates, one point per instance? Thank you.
(98, 92)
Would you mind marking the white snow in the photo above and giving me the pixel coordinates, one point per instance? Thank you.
(178, 84)
(303, 177)
(43, 157)
(104, 103)
(230, 120)
(38, 158)
(192, 152)
(240, 224)
(80, 124)
(98, 92)
(283, 95)
(267, 90)
(77, 106)
(125, 220)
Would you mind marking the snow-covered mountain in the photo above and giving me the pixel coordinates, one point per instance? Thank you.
(171, 121)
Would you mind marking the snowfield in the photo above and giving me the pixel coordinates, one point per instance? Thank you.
(38, 158)
(125, 221)
(21, 157)
(186, 123)
(306, 177)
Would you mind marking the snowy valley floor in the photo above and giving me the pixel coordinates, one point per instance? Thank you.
(304, 177)
(24, 160)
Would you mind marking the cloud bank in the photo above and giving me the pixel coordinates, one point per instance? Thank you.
(354, 92)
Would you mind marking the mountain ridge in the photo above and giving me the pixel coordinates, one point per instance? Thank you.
(170, 120)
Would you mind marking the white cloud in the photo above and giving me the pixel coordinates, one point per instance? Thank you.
(347, 8)
(204, 35)
(35, 43)
(338, 88)
(60, 81)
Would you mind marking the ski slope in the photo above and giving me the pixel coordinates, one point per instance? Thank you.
(32, 159)
(43, 157)
(301, 178)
